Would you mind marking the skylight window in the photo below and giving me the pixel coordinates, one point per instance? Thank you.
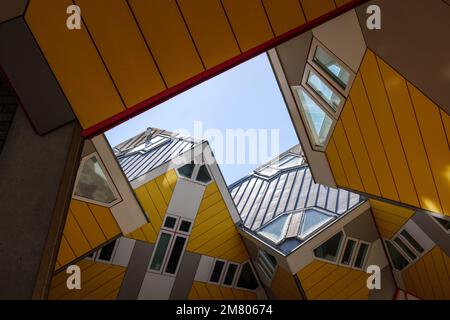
(275, 231)
(290, 161)
(312, 220)
(152, 143)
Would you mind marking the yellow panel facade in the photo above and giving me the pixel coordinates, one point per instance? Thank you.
(429, 277)
(316, 8)
(154, 197)
(214, 233)
(207, 291)
(74, 61)
(218, 43)
(325, 281)
(99, 282)
(284, 287)
(167, 36)
(392, 141)
(117, 37)
(389, 218)
(249, 22)
(87, 227)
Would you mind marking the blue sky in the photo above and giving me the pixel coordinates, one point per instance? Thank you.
(245, 97)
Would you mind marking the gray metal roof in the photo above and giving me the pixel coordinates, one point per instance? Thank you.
(261, 199)
(141, 154)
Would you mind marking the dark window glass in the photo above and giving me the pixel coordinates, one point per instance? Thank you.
(348, 252)
(160, 251)
(229, 276)
(187, 170)
(405, 248)
(329, 249)
(175, 255)
(107, 251)
(271, 259)
(444, 223)
(362, 252)
(247, 279)
(185, 226)
(90, 255)
(170, 222)
(412, 241)
(203, 175)
(217, 271)
(397, 258)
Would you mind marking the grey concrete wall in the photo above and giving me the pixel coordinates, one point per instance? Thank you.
(185, 276)
(31, 169)
(363, 228)
(433, 230)
(388, 286)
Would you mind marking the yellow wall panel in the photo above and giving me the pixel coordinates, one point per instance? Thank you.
(214, 292)
(207, 291)
(106, 220)
(284, 15)
(207, 23)
(345, 154)
(75, 237)
(98, 282)
(117, 37)
(411, 138)
(388, 130)
(359, 150)
(389, 218)
(428, 278)
(87, 223)
(336, 164)
(370, 134)
(215, 234)
(167, 36)
(284, 287)
(316, 8)
(74, 61)
(321, 280)
(249, 22)
(341, 2)
(436, 145)
(227, 293)
(65, 253)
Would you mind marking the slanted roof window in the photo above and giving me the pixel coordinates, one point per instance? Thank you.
(150, 144)
(268, 172)
(203, 175)
(323, 89)
(187, 170)
(93, 184)
(312, 220)
(289, 161)
(319, 122)
(275, 231)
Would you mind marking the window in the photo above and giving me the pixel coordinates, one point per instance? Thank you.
(152, 143)
(405, 248)
(187, 170)
(444, 223)
(247, 279)
(398, 260)
(267, 263)
(319, 87)
(203, 175)
(361, 256)
(93, 184)
(275, 231)
(216, 273)
(198, 173)
(230, 274)
(319, 122)
(329, 250)
(312, 220)
(412, 241)
(170, 245)
(348, 252)
(105, 254)
(330, 66)
(268, 172)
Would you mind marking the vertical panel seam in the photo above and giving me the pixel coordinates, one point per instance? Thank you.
(229, 24)
(268, 19)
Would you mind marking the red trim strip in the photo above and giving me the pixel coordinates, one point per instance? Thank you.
(208, 74)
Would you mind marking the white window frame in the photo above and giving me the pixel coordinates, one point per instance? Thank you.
(97, 253)
(309, 130)
(233, 282)
(289, 217)
(193, 178)
(409, 245)
(109, 181)
(335, 113)
(353, 256)
(262, 262)
(180, 220)
(316, 43)
(174, 233)
(339, 251)
(363, 264)
(222, 273)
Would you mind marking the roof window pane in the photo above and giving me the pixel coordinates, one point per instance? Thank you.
(275, 231)
(312, 221)
(324, 90)
(332, 67)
